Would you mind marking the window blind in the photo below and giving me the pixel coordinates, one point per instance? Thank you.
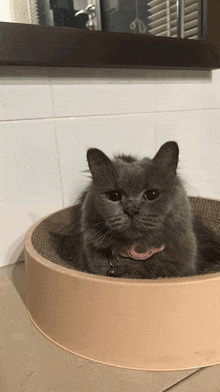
(164, 18)
(25, 11)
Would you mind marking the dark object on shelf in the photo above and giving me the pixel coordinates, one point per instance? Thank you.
(66, 18)
(64, 15)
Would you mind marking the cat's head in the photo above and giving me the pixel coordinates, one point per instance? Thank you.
(131, 196)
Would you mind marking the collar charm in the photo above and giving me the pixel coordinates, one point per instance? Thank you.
(111, 270)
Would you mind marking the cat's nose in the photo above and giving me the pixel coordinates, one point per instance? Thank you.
(130, 212)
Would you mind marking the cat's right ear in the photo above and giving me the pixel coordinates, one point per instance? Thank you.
(99, 163)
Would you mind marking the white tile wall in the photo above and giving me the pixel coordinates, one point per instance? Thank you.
(29, 163)
(50, 116)
(98, 99)
(30, 180)
(188, 94)
(187, 97)
(24, 95)
(197, 133)
(112, 134)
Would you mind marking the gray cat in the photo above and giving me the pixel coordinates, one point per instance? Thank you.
(135, 221)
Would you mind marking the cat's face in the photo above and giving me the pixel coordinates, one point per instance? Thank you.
(134, 198)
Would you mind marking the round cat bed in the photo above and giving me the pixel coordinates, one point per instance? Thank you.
(163, 324)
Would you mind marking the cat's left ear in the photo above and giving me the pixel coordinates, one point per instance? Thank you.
(168, 156)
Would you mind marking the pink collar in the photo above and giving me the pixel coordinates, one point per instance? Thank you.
(134, 253)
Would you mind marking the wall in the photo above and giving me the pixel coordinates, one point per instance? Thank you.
(50, 116)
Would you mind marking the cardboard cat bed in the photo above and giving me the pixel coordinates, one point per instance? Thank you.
(163, 324)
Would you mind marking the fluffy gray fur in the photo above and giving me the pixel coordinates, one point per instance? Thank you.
(104, 227)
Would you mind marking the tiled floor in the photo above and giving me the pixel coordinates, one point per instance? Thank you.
(31, 363)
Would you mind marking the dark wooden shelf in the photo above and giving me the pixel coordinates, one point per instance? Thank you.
(23, 44)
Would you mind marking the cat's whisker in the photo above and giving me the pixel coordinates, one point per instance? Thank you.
(116, 222)
(101, 239)
(97, 224)
(105, 235)
(90, 177)
(110, 238)
(100, 231)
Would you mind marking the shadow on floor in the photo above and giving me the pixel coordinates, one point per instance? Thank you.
(19, 279)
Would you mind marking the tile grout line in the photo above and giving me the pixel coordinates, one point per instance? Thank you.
(185, 110)
(107, 115)
(180, 381)
(59, 164)
(155, 131)
(154, 111)
(56, 139)
(51, 94)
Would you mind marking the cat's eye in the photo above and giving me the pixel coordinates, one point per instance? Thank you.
(152, 194)
(114, 195)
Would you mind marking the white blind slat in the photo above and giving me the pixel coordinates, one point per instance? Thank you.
(158, 22)
(191, 32)
(25, 11)
(161, 6)
(189, 2)
(191, 8)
